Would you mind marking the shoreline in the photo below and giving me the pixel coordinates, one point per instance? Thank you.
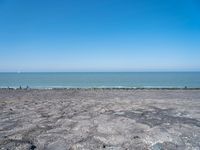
(101, 88)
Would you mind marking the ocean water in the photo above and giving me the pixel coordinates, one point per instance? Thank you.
(101, 80)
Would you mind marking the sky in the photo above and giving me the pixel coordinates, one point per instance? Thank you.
(99, 35)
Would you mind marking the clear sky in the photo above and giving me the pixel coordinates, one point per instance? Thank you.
(99, 35)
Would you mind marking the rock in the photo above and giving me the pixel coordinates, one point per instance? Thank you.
(136, 137)
(33, 147)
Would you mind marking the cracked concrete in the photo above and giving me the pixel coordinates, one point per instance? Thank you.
(117, 119)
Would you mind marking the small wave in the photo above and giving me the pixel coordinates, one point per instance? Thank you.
(97, 87)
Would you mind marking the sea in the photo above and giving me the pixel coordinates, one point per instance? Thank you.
(100, 80)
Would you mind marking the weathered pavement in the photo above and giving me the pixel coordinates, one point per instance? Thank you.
(99, 119)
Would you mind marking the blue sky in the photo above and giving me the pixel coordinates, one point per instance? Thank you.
(99, 35)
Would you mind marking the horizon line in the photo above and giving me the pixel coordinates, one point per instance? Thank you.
(95, 71)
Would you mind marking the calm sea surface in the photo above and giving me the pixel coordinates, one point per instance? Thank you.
(89, 80)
